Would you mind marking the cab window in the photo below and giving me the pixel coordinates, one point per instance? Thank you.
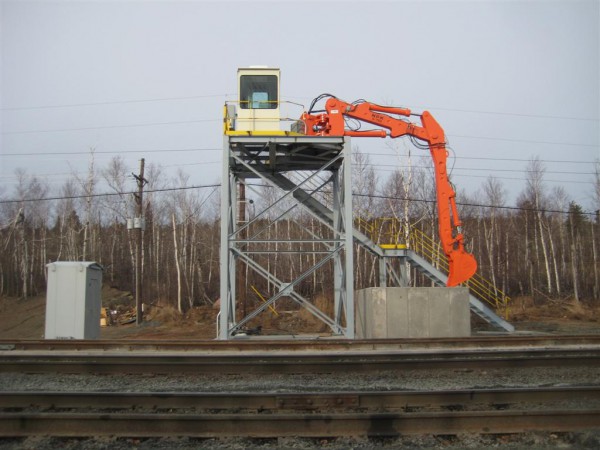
(258, 92)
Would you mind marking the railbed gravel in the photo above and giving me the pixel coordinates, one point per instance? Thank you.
(387, 380)
(530, 441)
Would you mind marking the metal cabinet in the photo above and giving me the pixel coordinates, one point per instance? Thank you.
(73, 300)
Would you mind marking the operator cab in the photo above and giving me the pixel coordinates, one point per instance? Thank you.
(258, 101)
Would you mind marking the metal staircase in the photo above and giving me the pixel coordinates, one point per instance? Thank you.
(476, 305)
(425, 255)
(422, 253)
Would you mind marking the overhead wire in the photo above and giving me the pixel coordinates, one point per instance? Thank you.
(474, 111)
(485, 169)
(182, 188)
(415, 141)
(116, 102)
(514, 208)
(191, 97)
(114, 152)
(504, 159)
(179, 122)
(187, 122)
(377, 167)
(501, 113)
(526, 141)
(108, 194)
(200, 149)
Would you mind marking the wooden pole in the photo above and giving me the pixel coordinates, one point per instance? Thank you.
(139, 248)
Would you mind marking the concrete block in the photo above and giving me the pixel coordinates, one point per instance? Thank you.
(397, 312)
(440, 320)
(418, 312)
(460, 311)
(412, 313)
(377, 314)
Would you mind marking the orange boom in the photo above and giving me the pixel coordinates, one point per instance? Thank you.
(332, 122)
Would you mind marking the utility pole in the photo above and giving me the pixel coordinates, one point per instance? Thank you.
(139, 225)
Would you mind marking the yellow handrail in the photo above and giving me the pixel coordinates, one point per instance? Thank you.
(390, 232)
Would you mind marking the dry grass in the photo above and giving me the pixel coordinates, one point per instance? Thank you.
(526, 309)
(163, 314)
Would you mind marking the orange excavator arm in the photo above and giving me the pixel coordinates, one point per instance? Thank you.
(332, 122)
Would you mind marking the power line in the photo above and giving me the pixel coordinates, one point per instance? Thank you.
(475, 111)
(527, 141)
(525, 179)
(385, 197)
(486, 169)
(193, 97)
(107, 194)
(187, 122)
(537, 116)
(377, 167)
(182, 122)
(66, 174)
(513, 208)
(114, 152)
(199, 149)
(562, 161)
(118, 102)
(386, 168)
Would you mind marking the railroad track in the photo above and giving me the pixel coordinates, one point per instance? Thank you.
(299, 414)
(288, 363)
(316, 344)
(305, 414)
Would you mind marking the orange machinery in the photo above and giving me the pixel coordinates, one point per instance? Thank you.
(332, 122)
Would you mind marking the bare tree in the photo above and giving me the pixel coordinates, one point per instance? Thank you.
(556, 230)
(535, 192)
(364, 210)
(89, 248)
(26, 239)
(495, 197)
(119, 208)
(575, 229)
(67, 223)
(595, 238)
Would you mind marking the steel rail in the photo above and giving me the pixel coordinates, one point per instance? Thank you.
(344, 400)
(273, 362)
(305, 344)
(295, 424)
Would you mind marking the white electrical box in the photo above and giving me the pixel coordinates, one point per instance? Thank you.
(73, 300)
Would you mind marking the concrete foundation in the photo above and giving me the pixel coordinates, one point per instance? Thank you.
(412, 313)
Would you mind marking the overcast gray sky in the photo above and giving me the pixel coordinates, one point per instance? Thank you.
(507, 80)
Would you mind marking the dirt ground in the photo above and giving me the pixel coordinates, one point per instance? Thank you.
(24, 319)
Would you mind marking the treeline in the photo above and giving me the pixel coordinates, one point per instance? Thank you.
(545, 245)
(180, 253)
